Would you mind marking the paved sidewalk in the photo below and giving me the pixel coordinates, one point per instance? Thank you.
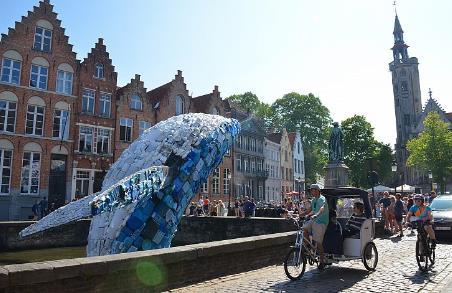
(397, 271)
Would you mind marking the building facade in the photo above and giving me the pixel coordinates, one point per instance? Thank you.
(408, 107)
(298, 162)
(272, 154)
(286, 161)
(249, 174)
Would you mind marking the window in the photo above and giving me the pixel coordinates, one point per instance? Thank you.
(105, 104)
(43, 39)
(238, 162)
(135, 102)
(86, 139)
(61, 124)
(179, 105)
(285, 155)
(35, 120)
(38, 78)
(302, 167)
(64, 82)
(226, 181)
(88, 101)
(82, 183)
(31, 165)
(246, 169)
(143, 126)
(11, 71)
(253, 144)
(253, 166)
(259, 165)
(5, 170)
(7, 116)
(99, 71)
(103, 141)
(406, 119)
(404, 86)
(204, 188)
(125, 129)
(216, 181)
(298, 147)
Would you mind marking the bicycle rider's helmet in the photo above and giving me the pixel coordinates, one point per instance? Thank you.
(418, 197)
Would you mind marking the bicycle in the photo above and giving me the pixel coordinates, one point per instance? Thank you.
(424, 250)
(301, 253)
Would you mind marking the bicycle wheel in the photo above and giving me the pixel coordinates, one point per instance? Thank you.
(370, 256)
(421, 258)
(294, 264)
(431, 257)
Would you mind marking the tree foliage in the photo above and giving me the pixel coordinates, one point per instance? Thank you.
(432, 149)
(248, 101)
(307, 114)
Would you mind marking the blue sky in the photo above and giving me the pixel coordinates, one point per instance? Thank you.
(338, 50)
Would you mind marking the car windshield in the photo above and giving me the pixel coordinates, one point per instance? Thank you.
(441, 205)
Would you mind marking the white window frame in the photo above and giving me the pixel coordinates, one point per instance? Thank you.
(63, 124)
(40, 77)
(7, 112)
(84, 132)
(42, 36)
(99, 71)
(89, 96)
(179, 105)
(127, 123)
(205, 187)
(103, 136)
(136, 103)
(11, 69)
(32, 172)
(35, 119)
(105, 104)
(216, 181)
(64, 82)
(3, 167)
(88, 180)
(143, 125)
(226, 180)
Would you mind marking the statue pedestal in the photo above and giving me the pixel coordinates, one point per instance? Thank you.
(336, 175)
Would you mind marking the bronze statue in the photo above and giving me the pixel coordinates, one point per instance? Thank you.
(336, 145)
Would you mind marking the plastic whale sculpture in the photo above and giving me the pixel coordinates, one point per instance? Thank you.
(147, 190)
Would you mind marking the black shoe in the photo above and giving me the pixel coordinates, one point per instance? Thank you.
(433, 246)
(321, 266)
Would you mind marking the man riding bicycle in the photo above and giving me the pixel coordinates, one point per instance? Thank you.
(424, 214)
(319, 214)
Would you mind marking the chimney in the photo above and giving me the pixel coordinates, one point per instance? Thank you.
(179, 75)
(137, 77)
(100, 41)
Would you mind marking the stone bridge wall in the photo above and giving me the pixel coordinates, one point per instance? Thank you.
(148, 271)
(191, 230)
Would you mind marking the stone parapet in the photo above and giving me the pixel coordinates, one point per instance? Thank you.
(145, 271)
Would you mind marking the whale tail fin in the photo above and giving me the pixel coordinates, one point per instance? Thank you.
(71, 212)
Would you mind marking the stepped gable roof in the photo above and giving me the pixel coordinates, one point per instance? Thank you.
(99, 53)
(43, 11)
(275, 137)
(135, 82)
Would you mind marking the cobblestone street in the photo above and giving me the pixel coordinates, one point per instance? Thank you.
(397, 271)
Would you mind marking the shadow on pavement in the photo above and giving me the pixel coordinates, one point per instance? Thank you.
(335, 277)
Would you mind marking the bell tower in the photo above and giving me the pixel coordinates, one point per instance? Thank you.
(407, 97)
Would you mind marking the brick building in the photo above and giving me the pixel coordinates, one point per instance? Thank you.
(38, 89)
(94, 125)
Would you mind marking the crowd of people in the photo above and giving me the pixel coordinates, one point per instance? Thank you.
(392, 209)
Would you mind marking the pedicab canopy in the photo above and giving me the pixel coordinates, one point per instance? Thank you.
(333, 194)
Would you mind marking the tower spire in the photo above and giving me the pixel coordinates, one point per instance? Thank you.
(395, 7)
(400, 49)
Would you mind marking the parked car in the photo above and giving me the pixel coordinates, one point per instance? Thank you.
(442, 215)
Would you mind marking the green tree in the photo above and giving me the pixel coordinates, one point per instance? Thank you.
(360, 148)
(248, 101)
(432, 149)
(307, 114)
(383, 162)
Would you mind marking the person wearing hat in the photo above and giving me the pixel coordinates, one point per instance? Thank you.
(319, 214)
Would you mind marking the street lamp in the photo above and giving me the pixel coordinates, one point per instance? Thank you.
(394, 169)
(430, 176)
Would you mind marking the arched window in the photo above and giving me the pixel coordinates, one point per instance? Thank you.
(135, 102)
(43, 36)
(179, 105)
(99, 71)
(6, 156)
(64, 79)
(31, 167)
(11, 66)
